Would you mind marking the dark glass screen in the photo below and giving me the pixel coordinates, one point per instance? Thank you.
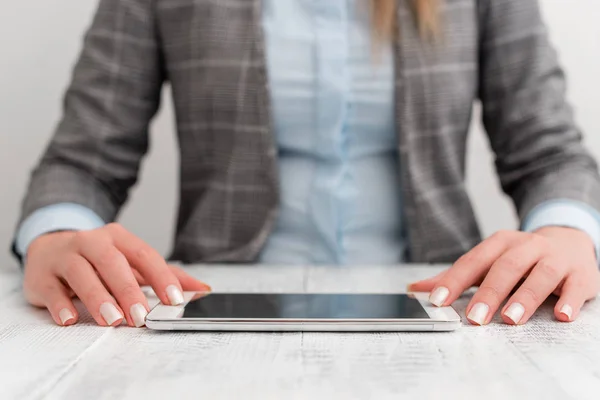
(305, 306)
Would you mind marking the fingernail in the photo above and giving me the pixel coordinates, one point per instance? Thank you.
(479, 313)
(408, 288)
(439, 296)
(567, 310)
(515, 312)
(138, 314)
(65, 315)
(110, 313)
(174, 294)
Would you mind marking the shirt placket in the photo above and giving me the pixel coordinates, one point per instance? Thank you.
(332, 104)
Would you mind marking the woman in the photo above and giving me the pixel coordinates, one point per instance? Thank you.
(316, 132)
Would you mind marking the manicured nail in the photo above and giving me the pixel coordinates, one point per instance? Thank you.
(515, 312)
(479, 313)
(110, 313)
(439, 296)
(65, 315)
(174, 294)
(138, 314)
(567, 310)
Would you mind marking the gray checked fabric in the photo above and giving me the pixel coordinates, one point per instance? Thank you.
(212, 54)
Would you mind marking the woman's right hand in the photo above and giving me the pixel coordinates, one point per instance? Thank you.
(104, 268)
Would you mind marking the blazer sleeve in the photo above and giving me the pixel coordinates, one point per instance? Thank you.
(538, 147)
(94, 156)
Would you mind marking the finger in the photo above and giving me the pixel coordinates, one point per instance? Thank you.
(149, 264)
(541, 282)
(576, 290)
(114, 269)
(506, 272)
(471, 268)
(81, 277)
(425, 285)
(139, 278)
(188, 282)
(56, 299)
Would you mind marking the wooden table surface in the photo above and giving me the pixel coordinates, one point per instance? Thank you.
(542, 360)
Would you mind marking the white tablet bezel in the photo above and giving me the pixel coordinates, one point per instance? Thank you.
(164, 317)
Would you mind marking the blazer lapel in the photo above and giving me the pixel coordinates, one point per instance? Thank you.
(411, 87)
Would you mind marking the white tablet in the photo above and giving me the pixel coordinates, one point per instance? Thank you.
(304, 312)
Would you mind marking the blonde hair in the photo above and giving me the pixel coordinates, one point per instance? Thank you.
(384, 18)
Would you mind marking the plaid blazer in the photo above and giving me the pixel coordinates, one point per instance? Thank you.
(212, 54)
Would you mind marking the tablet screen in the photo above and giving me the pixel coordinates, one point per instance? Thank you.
(305, 306)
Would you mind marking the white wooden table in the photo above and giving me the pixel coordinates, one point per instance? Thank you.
(541, 360)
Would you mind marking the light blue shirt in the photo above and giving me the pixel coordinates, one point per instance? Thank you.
(333, 118)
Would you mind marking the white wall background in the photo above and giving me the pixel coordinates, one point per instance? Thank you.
(39, 41)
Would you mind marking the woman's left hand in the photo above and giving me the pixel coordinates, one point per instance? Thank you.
(525, 268)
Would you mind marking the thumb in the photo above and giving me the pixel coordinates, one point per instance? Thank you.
(188, 282)
(426, 285)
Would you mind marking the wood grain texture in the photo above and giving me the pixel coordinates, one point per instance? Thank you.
(543, 359)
